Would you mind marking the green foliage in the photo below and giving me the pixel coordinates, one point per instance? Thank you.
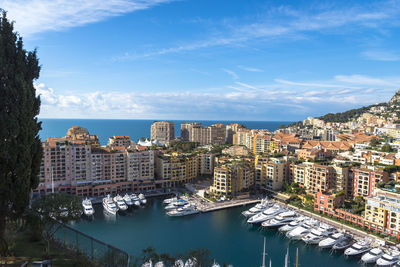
(217, 149)
(391, 168)
(387, 148)
(347, 115)
(184, 146)
(340, 193)
(374, 142)
(20, 146)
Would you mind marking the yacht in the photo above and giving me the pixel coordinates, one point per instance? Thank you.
(148, 264)
(87, 207)
(389, 258)
(298, 232)
(317, 234)
(135, 199)
(329, 242)
(281, 219)
(128, 200)
(179, 263)
(358, 248)
(260, 207)
(372, 256)
(343, 243)
(215, 264)
(293, 224)
(185, 210)
(142, 199)
(192, 262)
(266, 214)
(159, 264)
(169, 200)
(109, 205)
(120, 203)
(176, 204)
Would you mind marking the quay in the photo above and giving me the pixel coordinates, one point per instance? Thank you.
(149, 194)
(225, 205)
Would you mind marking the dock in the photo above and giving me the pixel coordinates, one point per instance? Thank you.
(228, 204)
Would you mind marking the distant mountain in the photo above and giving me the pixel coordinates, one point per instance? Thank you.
(392, 110)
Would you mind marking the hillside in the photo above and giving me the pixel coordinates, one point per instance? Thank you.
(348, 115)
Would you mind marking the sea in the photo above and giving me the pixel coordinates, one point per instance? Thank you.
(225, 233)
(134, 128)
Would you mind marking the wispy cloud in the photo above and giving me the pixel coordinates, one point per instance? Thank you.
(34, 16)
(368, 81)
(231, 73)
(250, 69)
(287, 23)
(381, 55)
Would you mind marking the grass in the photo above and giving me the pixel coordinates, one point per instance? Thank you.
(24, 246)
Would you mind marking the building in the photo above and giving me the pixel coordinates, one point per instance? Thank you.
(210, 135)
(319, 178)
(236, 151)
(365, 181)
(328, 202)
(186, 130)
(231, 130)
(120, 141)
(270, 173)
(232, 178)
(297, 173)
(163, 131)
(206, 163)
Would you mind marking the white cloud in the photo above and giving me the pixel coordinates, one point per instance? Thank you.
(34, 16)
(231, 73)
(368, 81)
(250, 69)
(380, 55)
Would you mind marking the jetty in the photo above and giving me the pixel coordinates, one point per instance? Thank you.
(214, 206)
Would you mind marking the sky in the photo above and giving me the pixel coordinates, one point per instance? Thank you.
(210, 59)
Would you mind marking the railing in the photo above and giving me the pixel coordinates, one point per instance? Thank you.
(98, 251)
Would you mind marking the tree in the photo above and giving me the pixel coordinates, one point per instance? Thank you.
(20, 146)
(52, 211)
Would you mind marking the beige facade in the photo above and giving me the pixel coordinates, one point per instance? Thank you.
(163, 131)
(270, 173)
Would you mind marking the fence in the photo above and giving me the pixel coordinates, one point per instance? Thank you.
(98, 251)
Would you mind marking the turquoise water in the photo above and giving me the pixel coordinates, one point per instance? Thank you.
(134, 128)
(225, 233)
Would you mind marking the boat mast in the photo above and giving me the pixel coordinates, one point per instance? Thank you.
(263, 259)
(297, 257)
(287, 258)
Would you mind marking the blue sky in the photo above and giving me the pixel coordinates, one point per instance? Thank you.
(210, 59)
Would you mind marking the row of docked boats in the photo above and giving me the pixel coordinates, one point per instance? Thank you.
(191, 262)
(271, 215)
(179, 207)
(113, 205)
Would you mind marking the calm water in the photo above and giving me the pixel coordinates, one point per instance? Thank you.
(224, 233)
(134, 128)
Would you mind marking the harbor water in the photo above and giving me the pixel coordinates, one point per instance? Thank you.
(225, 233)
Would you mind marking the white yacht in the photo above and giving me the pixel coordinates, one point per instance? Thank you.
(317, 234)
(142, 199)
(298, 232)
(128, 200)
(293, 224)
(389, 258)
(372, 256)
(281, 219)
(159, 264)
(215, 264)
(266, 214)
(179, 263)
(169, 200)
(185, 210)
(192, 262)
(87, 207)
(135, 199)
(109, 205)
(358, 248)
(120, 203)
(260, 207)
(176, 204)
(329, 242)
(148, 264)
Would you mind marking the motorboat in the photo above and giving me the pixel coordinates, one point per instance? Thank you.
(191, 262)
(330, 241)
(260, 207)
(176, 204)
(120, 203)
(215, 264)
(87, 207)
(169, 200)
(135, 200)
(372, 256)
(185, 210)
(345, 242)
(109, 205)
(281, 219)
(142, 199)
(301, 230)
(317, 234)
(148, 263)
(389, 258)
(358, 248)
(293, 224)
(179, 263)
(128, 200)
(266, 214)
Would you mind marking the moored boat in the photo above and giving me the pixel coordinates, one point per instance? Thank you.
(389, 258)
(281, 219)
(372, 256)
(345, 242)
(330, 241)
(185, 210)
(266, 214)
(142, 199)
(293, 224)
(109, 205)
(120, 203)
(317, 234)
(298, 232)
(135, 199)
(128, 200)
(358, 248)
(87, 207)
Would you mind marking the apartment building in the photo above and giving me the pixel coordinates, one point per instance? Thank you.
(231, 130)
(366, 180)
(140, 165)
(206, 163)
(263, 143)
(270, 173)
(319, 178)
(231, 178)
(214, 134)
(120, 141)
(186, 129)
(341, 180)
(297, 173)
(163, 131)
